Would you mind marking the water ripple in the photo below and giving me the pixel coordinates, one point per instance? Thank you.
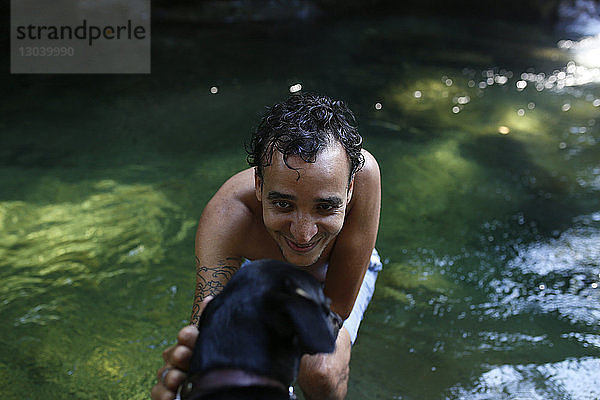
(568, 379)
(118, 230)
(558, 275)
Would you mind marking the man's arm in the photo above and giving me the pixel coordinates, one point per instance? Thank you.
(220, 235)
(352, 251)
(210, 280)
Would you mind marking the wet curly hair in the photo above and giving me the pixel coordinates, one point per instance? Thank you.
(303, 125)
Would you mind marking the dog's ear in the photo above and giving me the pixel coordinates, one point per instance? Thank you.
(310, 318)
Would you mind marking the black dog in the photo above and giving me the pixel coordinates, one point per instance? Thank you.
(253, 334)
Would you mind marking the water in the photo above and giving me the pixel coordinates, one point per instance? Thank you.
(487, 136)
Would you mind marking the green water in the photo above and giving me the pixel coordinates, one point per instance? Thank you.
(491, 240)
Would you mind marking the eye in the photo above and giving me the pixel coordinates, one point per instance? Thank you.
(326, 207)
(281, 204)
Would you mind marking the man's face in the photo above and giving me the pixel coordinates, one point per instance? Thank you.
(305, 215)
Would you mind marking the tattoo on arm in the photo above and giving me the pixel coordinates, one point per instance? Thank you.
(211, 280)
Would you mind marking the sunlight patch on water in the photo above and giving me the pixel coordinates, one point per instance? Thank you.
(520, 120)
(568, 379)
(559, 275)
(401, 280)
(426, 180)
(477, 102)
(590, 178)
(118, 229)
(583, 18)
(40, 314)
(502, 341)
(576, 251)
(431, 95)
(586, 339)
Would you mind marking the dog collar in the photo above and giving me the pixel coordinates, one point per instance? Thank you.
(219, 379)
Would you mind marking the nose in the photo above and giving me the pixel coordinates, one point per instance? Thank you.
(303, 228)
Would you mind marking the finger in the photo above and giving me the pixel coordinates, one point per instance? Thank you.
(187, 336)
(161, 371)
(166, 354)
(170, 377)
(161, 392)
(181, 357)
(173, 379)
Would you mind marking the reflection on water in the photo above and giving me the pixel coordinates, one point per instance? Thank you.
(119, 229)
(580, 17)
(560, 275)
(569, 379)
(487, 137)
(65, 271)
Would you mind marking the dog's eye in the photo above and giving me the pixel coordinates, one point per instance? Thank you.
(327, 307)
(302, 293)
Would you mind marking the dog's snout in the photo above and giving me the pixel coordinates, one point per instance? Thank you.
(336, 321)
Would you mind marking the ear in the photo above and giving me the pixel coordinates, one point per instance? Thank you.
(257, 185)
(350, 189)
(311, 323)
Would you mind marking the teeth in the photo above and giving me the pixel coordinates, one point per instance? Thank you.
(300, 246)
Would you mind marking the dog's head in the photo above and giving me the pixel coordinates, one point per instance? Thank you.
(299, 310)
(268, 315)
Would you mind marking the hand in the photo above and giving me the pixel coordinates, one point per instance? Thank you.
(177, 361)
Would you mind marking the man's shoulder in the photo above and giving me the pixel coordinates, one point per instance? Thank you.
(367, 182)
(239, 188)
(371, 166)
(234, 206)
(231, 224)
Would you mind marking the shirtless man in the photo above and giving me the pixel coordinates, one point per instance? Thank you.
(311, 197)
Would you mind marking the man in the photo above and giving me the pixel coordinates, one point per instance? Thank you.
(311, 197)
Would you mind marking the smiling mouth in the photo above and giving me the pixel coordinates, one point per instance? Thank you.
(300, 248)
